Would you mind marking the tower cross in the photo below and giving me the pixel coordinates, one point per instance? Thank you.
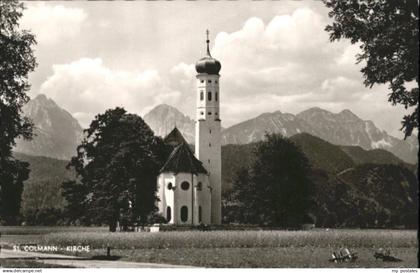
(208, 42)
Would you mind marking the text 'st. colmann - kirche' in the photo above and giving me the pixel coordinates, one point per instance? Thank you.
(189, 186)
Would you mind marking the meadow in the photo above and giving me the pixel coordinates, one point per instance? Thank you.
(249, 248)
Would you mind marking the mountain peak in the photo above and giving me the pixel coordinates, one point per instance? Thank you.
(56, 132)
(315, 110)
(164, 106)
(41, 97)
(348, 114)
(43, 100)
(163, 118)
(163, 109)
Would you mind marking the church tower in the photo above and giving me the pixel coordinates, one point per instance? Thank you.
(208, 127)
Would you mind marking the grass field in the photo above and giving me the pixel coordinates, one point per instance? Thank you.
(310, 248)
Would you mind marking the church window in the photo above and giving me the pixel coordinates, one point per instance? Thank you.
(209, 96)
(184, 213)
(201, 95)
(199, 186)
(199, 214)
(185, 185)
(170, 186)
(215, 96)
(168, 213)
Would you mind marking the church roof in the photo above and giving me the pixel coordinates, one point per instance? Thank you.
(183, 160)
(174, 138)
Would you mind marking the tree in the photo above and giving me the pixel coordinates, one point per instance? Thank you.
(389, 37)
(117, 164)
(275, 190)
(41, 198)
(16, 61)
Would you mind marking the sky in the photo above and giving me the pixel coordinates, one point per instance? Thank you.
(275, 56)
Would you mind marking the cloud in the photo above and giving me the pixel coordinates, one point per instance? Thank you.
(53, 24)
(289, 64)
(286, 63)
(87, 87)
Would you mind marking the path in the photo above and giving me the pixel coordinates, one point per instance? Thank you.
(73, 261)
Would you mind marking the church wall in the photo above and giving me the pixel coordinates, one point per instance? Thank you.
(165, 195)
(177, 197)
(183, 198)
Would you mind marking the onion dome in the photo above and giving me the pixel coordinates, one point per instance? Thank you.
(208, 64)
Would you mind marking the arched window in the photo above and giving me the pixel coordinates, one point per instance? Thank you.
(199, 214)
(168, 213)
(215, 96)
(170, 186)
(185, 185)
(199, 186)
(201, 95)
(184, 213)
(209, 96)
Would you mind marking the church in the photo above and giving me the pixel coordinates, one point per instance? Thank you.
(190, 184)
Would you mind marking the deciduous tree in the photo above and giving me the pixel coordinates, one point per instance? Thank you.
(276, 190)
(16, 61)
(388, 33)
(117, 164)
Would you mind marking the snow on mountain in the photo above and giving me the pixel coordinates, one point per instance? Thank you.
(344, 128)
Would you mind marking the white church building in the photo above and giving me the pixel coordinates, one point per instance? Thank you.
(189, 186)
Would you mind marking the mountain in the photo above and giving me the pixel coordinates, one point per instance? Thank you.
(322, 154)
(368, 195)
(353, 187)
(344, 128)
(234, 158)
(254, 129)
(41, 195)
(375, 156)
(384, 195)
(163, 118)
(56, 132)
